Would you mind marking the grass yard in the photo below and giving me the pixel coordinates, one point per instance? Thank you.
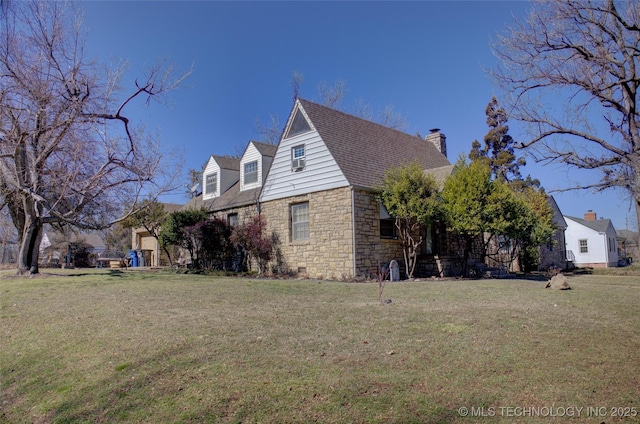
(151, 347)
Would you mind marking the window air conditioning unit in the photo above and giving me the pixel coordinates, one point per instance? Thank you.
(297, 164)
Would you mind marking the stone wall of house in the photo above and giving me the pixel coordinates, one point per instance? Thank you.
(449, 255)
(244, 213)
(505, 257)
(553, 255)
(328, 253)
(372, 252)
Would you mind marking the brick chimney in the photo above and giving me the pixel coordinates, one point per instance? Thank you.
(438, 139)
(590, 216)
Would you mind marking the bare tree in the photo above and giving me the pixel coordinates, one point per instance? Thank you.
(296, 82)
(269, 133)
(586, 53)
(332, 95)
(68, 152)
(387, 116)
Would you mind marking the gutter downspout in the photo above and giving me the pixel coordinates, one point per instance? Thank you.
(353, 229)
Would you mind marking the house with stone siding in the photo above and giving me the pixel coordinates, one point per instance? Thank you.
(554, 253)
(316, 189)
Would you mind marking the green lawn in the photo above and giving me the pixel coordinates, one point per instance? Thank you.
(133, 346)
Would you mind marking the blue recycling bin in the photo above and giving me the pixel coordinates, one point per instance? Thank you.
(134, 257)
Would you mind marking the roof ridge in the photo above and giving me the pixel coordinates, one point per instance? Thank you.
(363, 149)
(351, 115)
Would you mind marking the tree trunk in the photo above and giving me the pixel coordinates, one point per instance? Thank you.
(166, 250)
(29, 252)
(637, 196)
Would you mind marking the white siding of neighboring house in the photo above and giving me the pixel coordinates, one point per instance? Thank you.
(597, 243)
(251, 154)
(611, 246)
(321, 171)
(226, 178)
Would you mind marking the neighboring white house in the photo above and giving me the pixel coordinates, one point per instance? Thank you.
(591, 242)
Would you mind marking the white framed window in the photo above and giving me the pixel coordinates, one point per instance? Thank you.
(584, 247)
(211, 183)
(300, 221)
(298, 157)
(251, 172)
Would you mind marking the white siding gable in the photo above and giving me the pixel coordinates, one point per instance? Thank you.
(251, 154)
(320, 171)
(225, 179)
(211, 168)
(601, 247)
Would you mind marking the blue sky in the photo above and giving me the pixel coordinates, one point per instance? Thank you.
(425, 59)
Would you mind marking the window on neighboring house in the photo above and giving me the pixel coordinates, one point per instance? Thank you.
(232, 219)
(299, 125)
(387, 224)
(251, 172)
(584, 248)
(300, 221)
(298, 159)
(211, 183)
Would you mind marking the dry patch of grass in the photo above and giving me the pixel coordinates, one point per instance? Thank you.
(130, 346)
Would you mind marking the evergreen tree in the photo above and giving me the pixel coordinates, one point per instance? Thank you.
(412, 198)
(498, 150)
(532, 225)
(179, 229)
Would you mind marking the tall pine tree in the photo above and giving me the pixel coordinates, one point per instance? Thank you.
(498, 149)
(534, 226)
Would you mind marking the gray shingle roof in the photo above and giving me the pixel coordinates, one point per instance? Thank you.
(225, 162)
(364, 150)
(440, 174)
(265, 149)
(628, 235)
(171, 207)
(599, 225)
(232, 198)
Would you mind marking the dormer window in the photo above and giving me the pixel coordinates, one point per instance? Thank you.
(211, 183)
(298, 158)
(250, 172)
